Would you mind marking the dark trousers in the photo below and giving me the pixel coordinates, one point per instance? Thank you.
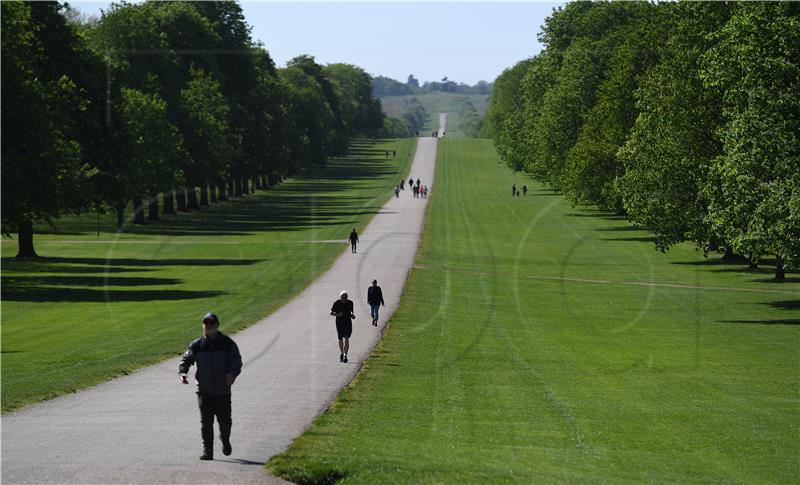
(210, 406)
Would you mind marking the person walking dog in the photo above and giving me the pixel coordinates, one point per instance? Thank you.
(218, 364)
(375, 300)
(342, 309)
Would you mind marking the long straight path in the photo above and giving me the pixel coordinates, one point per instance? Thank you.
(145, 427)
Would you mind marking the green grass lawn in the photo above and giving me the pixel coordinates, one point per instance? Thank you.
(435, 103)
(93, 308)
(537, 343)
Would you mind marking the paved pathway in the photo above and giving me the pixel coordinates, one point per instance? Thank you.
(145, 427)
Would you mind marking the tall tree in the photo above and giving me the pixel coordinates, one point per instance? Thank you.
(754, 186)
(44, 174)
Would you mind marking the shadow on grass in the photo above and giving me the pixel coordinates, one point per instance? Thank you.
(26, 281)
(784, 305)
(53, 264)
(74, 295)
(649, 239)
(311, 199)
(785, 321)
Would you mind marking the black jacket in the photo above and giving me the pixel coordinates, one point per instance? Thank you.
(374, 295)
(215, 359)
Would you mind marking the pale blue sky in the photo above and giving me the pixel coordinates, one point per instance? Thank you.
(465, 41)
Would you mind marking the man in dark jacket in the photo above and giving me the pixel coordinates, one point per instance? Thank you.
(218, 364)
(375, 300)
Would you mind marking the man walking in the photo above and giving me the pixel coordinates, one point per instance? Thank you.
(218, 364)
(375, 300)
(353, 241)
(342, 309)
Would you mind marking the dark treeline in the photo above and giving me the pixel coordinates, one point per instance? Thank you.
(409, 123)
(385, 86)
(159, 98)
(684, 116)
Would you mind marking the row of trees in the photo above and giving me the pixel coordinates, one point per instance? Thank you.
(386, 86)
(170, 98)
(685, 116)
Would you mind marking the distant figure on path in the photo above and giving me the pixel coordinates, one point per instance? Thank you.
(375, 300)
(353, 240)
(425, 192)
(402, 183)
(394, 153)
(418, 182)
(342, 309)
(397, 191)
(387, 153)
(416, 191)
(411, 182)
(524, 190)
(218, 364)
(513, 190)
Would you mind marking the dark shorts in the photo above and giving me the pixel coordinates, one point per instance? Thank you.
(344, 329)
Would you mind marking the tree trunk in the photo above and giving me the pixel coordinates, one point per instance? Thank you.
(191, 197)
(25, 240)
(243, 185)
(180, 199)
(152, 208)
(728, 253)
(753, 262)
(231, 187)
(780, 273)
(221, 190)
(212, 192)
(138, 211)
(257, 183)
(120, 210)
(204, 193)
(237, 187)
(169, 202)
(264, 182)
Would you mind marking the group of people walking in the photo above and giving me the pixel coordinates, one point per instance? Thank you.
(417, 189)
(516, 193)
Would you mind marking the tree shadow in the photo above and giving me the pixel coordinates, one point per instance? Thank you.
(22, 281)
(75, 295)
(785, 321)
(649, 239)
(784, 304)
(598, 215)
(311, 199)
(110, 263)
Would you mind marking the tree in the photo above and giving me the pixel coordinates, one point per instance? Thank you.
(43, 171)
(670, 147)
(412, 81)
(361, 112)
(754, 184)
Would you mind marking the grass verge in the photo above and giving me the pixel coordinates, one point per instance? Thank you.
(96, 307)
(538, 342)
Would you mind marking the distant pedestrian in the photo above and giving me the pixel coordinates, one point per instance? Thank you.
(387, 153)
(218, 364)
(513, 189)
(418, 182)
(426, 191)
(411, 182)
(402, 183)
(342, 309)
(394, 153)
(375, 300)
(397, 191)
(353, 240)
(416, 191)
(524, 190)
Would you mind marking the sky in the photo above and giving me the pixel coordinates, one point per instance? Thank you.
(466, 42)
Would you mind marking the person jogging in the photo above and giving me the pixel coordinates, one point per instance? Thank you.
(375, 300)
(353, 241)
(342, 309)
(218, 364)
